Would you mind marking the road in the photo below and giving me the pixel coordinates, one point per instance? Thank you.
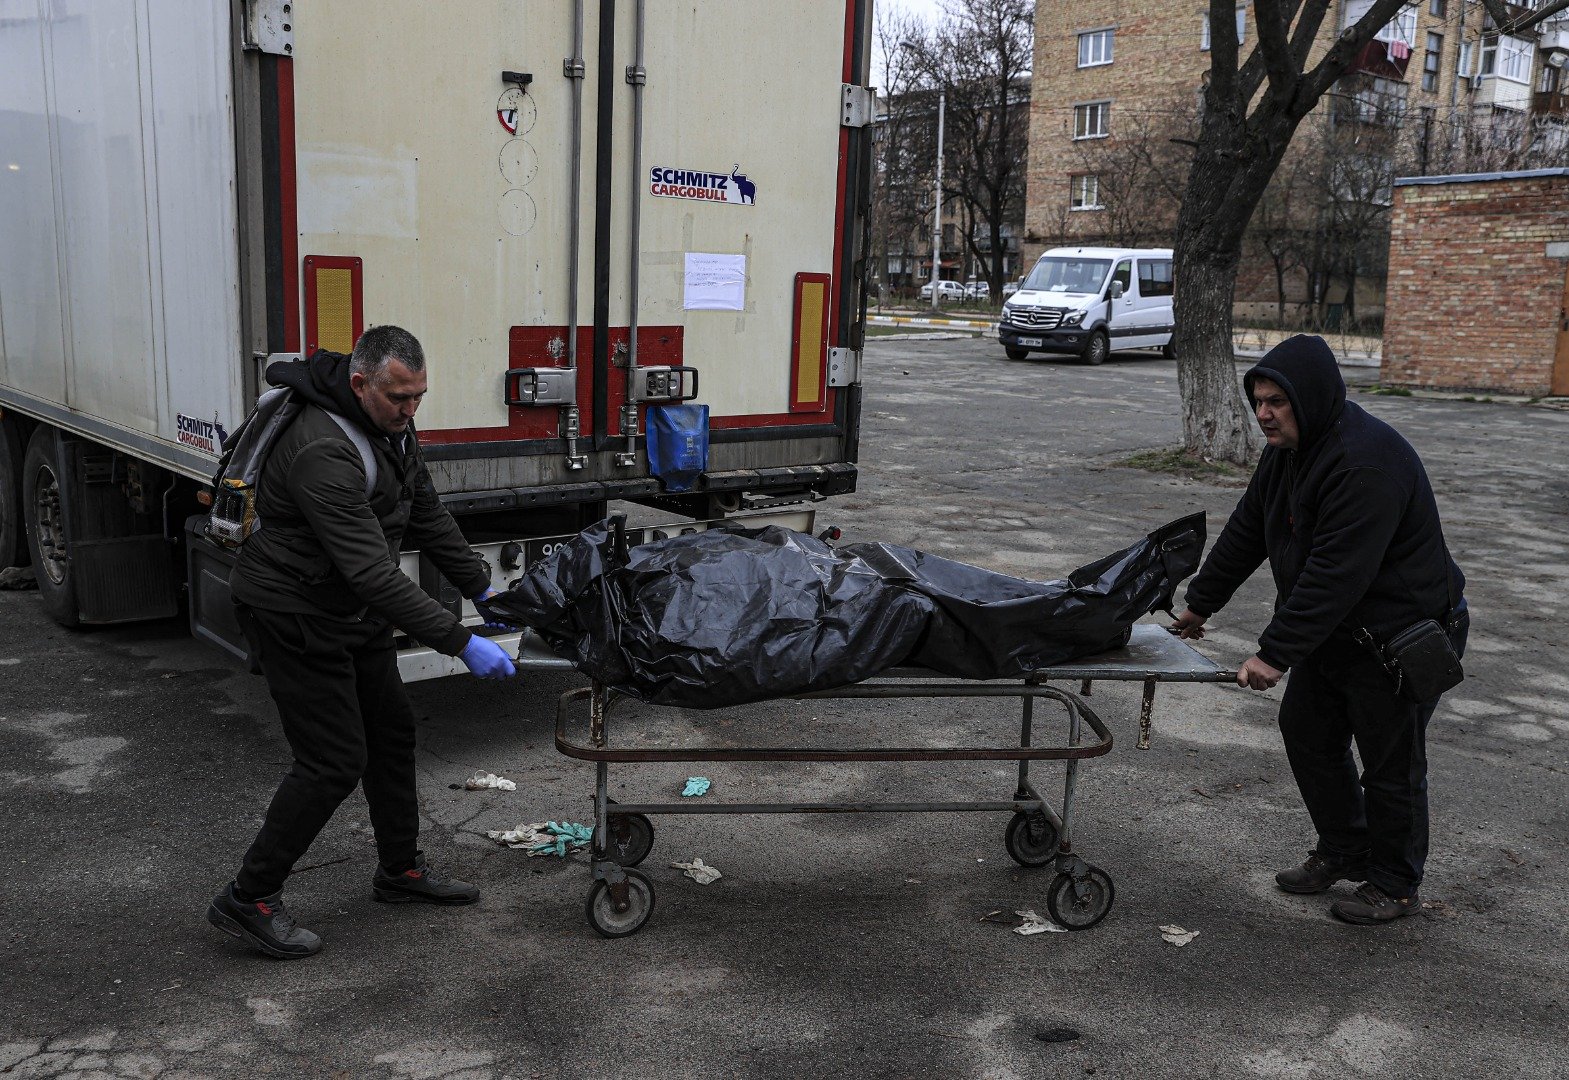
(135, 763)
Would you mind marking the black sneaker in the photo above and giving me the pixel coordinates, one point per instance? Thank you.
(266, 924)
(1374, 907)
(421, 885)
(1320, 872)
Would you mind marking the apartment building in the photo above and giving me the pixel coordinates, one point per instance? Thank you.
(1438, 91)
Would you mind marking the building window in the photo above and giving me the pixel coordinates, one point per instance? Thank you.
(1463, 61)
(1369, 99)
(1549, 81)
(1092, 120)
(1439, 9)
(1094, 48)
(1242, 29)
(1084, 192)
(1435, 52)
(1508, 58)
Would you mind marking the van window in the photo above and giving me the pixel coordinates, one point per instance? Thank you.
(1154, 277)
(1124, 274)
(1056, 273)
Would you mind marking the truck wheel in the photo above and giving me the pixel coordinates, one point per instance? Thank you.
(1015, 354)
(43, 515)
(1096, 349)
(13, 542)
(1169, 350)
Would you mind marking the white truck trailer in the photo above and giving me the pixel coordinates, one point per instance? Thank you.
(585, 210)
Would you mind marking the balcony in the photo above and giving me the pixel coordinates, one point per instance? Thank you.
(1502, 93)
(1383, 59)
(1551, 103)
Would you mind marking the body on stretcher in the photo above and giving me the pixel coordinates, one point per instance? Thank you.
(621, 899)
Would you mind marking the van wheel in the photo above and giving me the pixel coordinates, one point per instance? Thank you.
(1169, 350)
(1016, 354)
(1096, 349)
(43, 515)
(13, 536)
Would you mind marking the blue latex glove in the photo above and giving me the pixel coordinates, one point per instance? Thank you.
(696, 785)
(487, 659)
(566, 835)
(489, 625)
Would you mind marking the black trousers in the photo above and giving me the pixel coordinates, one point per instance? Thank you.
(348, 720)
(1340, 695)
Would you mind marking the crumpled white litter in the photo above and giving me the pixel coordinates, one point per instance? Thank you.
(524, 836)
(699, 871)
(1037, 924)
(1177, 935)
(482, 780)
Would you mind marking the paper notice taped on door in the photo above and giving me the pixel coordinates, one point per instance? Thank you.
(715, 282)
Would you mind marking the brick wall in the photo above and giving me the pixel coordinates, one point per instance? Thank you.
(1472, 300)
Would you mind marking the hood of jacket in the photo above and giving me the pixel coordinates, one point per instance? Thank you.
(323, 380)
(1304, 367)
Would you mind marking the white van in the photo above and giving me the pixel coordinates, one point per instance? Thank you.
(1087, 301)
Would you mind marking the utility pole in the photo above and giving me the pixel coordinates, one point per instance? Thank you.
(942, 95)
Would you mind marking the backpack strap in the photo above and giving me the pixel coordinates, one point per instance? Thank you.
(367, 456)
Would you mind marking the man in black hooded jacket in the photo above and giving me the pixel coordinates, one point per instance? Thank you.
(1342, 508)
(318, 592)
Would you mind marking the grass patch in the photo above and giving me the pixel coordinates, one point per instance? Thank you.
(1178, 462)
(1390, 391)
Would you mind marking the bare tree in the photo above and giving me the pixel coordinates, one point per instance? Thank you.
(1252, 108)
(979, 54)
(1141, 170)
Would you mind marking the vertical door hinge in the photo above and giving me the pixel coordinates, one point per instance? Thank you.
(269, 26)
(859, 106)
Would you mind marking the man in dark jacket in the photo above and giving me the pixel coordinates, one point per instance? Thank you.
(318, 592)
(1342, 508)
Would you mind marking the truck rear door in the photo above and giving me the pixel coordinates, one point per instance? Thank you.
(522, 184)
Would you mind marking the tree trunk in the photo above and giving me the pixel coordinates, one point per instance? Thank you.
(1216, 423)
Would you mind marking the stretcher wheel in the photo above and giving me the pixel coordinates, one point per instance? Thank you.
(631, 839)
(1031, 839)
(1079, 905)
(601, 908)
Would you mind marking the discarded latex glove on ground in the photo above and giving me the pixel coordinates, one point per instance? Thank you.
(483, 780)
(1177, 935)
(1036, 924)
(545, 837)
(696, 785)
(699, 871)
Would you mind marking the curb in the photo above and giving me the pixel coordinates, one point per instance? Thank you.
(915, 320)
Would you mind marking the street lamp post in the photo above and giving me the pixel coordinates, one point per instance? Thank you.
(937, 203)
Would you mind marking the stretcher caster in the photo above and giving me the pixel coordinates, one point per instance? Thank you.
(1078, 904)
(619, 902)
(631, 838)
(1031, 839)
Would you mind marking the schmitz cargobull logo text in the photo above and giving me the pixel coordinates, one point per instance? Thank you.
(731, 187)
(205, 435)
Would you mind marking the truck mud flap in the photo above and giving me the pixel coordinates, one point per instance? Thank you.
(212, 608)
(123, 579)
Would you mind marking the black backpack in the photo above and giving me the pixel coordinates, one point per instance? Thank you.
(233, 517)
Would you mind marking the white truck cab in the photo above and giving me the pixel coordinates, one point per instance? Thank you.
(1087, 301)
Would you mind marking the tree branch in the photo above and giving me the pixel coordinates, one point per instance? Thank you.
(1338, 59)
(1510, 27)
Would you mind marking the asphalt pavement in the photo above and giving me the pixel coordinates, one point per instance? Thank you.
(135, 764)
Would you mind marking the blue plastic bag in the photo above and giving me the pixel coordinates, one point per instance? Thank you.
(677, 444)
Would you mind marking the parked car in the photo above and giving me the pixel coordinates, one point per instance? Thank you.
(946, 290)
(1080, 300)
(1011, 287)
(977, 290)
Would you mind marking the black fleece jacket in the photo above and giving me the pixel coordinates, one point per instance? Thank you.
(1347, 521)
(324, 548)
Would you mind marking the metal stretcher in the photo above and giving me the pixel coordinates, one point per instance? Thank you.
(621, 899)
